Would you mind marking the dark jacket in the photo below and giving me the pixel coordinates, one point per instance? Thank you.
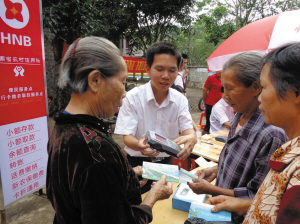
(89, 179)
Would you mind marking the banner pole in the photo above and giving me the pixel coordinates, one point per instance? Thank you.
(3, 216)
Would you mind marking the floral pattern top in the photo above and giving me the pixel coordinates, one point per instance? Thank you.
(278, 198)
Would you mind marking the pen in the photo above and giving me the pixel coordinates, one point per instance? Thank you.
(207, 143)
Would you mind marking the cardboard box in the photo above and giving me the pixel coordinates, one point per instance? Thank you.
(184, 196)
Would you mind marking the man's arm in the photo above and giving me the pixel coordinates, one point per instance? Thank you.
(185, 74)
(204, 94)
(139, 145)
(189, 139)
(227, 124)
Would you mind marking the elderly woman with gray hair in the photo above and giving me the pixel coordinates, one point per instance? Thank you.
(89, 179)
(243, 162)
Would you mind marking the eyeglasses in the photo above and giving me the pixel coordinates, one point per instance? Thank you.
(222, 89)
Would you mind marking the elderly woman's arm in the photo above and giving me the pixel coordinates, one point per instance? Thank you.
(261, 169)
(160, 190)
(100, 195)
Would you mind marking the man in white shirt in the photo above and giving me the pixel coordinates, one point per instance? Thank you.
(178, 81)
(156, 107)
(183, 72)
(220, 117)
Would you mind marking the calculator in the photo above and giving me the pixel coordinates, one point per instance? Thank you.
(162, 144)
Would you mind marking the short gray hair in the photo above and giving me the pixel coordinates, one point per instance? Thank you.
(247, 67)
(91, 53)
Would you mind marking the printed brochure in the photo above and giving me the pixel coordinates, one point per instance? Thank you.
(154, 171)
(202, 210)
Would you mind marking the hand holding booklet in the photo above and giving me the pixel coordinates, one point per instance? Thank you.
(154, 171)
(202, 210)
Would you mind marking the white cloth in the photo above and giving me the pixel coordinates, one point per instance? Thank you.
(181, 74)
(178, 81)
(140, 112)
(220, 113)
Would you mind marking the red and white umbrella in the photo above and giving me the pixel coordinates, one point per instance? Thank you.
(262, 36)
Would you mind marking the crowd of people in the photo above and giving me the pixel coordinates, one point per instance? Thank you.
(256, 97)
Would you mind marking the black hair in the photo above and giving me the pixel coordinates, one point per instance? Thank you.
(247, 67)
(178, 88)
(184, 56)
(162, 48)
(284, 68)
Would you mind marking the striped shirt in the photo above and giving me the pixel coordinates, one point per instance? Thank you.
(243, 162)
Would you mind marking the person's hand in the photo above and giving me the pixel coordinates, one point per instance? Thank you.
(138, 170)
(185, 74)
(189, 142)
(201, 186)
(208, 174)
(236, 205)
(143, 182)
(145, 148)
(161, 189)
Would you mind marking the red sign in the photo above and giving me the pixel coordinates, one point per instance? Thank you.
(23, 115)
(136, 65)
(22, 87)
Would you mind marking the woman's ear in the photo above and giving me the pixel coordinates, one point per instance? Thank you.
(94, 80)
(256, 87)
(297, 97)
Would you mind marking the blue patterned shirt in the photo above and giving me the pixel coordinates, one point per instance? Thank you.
(243, 162)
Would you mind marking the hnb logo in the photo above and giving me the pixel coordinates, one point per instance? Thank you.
(15, 39)
(14, 13)
(19, 70)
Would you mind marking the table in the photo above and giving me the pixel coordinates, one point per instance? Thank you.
(208, 151)
(164, 213)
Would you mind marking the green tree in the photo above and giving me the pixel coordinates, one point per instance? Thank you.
(194, 44)
(157, 20)
(141, 22)
(222, 18)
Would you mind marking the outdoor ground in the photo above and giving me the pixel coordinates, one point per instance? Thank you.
(34, 209)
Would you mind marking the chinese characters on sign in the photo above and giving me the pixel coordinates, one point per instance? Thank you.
(19, 93)
(136, 65)
(19, 60)
(23, 157)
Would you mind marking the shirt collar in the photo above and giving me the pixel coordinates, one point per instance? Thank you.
(283, 156)
(150, 95)
(251, 129)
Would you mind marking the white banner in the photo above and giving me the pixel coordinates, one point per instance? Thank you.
(23, 157)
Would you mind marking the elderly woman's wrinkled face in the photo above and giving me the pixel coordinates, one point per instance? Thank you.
(276, 112)
(112, 93)
(235, 94)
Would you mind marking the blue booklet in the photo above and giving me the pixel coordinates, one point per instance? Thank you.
(202, 210)
(154, 171)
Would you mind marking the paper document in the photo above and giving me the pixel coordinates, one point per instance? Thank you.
(202, 210)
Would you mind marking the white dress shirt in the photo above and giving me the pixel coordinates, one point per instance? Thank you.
(140, 112)
(178, 81)
(220, 113)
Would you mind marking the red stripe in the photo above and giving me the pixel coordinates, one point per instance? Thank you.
(279, 166)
